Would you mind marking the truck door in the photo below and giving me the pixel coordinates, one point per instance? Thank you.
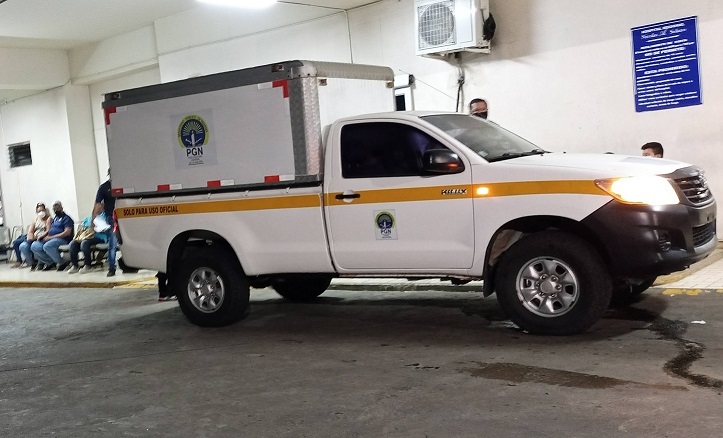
(384, 213)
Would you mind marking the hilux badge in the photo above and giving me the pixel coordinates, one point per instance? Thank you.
(454, 191)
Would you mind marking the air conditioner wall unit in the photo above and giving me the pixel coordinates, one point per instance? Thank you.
(448, 26)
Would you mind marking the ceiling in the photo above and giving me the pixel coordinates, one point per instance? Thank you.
(66, 24)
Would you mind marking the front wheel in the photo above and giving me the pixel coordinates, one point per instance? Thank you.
(211, 288)
(553, 283)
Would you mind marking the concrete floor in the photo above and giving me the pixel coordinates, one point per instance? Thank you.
(115, 362)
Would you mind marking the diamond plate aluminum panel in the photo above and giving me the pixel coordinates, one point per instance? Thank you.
(339, 70)
(305, 126)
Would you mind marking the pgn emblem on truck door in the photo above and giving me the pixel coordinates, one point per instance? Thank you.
(194, 135)
(385, 224)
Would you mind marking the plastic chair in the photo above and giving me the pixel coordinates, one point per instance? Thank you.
(18, 230)
(6, 243)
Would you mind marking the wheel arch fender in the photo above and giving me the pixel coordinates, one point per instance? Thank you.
(516, 229)
(196, 240)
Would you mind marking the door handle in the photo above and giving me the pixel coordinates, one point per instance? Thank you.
(348, 195)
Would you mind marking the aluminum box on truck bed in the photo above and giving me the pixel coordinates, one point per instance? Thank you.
(242, 129)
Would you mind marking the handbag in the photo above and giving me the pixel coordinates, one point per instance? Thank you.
(84, 233)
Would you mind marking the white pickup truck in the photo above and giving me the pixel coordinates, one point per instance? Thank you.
(288, 175)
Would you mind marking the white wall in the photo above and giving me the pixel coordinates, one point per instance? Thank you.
(182, 31)
(323, 39)
(114, 57)
(82, 148)
(33, 69)
(42, 120)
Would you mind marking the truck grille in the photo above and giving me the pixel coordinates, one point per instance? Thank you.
(695, 188)
(703, 234)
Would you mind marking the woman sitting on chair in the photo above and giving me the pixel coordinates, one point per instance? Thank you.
(38, 229)
(84, 240)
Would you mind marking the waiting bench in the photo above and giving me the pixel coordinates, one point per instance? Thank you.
(99, 251)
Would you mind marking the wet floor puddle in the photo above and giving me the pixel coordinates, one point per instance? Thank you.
(671, 330)
(518, 373)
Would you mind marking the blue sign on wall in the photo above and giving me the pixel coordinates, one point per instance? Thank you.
(666, 63)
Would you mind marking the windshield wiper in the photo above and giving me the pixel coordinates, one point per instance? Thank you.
(510, 155)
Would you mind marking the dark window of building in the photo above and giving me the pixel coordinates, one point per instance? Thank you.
(400, 102)
(20, 155)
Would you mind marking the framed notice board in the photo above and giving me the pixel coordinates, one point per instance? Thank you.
(666, 65)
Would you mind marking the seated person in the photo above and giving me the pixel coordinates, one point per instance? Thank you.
(60, 233)
(37, 230)
(84, 240)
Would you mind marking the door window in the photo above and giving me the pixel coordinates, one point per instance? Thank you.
(380, 150)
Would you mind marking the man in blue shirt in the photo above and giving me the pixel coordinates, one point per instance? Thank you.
(105, 202)
(60, 233)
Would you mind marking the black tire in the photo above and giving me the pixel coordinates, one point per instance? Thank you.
(574, 287)
(211, 287)
(302, 288)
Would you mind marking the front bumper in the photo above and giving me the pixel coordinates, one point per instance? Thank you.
(647, 241)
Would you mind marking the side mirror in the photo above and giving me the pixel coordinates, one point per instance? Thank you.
(441, 162)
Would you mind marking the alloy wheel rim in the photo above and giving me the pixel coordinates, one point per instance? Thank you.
(547, 287)
(206, 290)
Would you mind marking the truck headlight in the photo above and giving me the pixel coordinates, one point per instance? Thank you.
(649, 190)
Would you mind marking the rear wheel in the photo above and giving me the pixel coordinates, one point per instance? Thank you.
(302, 288)
(211, 288)
(553, 283)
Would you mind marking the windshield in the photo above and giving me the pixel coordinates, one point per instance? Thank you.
(488, 140)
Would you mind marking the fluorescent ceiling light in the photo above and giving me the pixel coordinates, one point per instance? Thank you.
(249, 4)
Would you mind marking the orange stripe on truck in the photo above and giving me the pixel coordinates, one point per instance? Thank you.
(580, 187)
(300, 201)
(575, 187)
(367, 197)
(404, 195)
